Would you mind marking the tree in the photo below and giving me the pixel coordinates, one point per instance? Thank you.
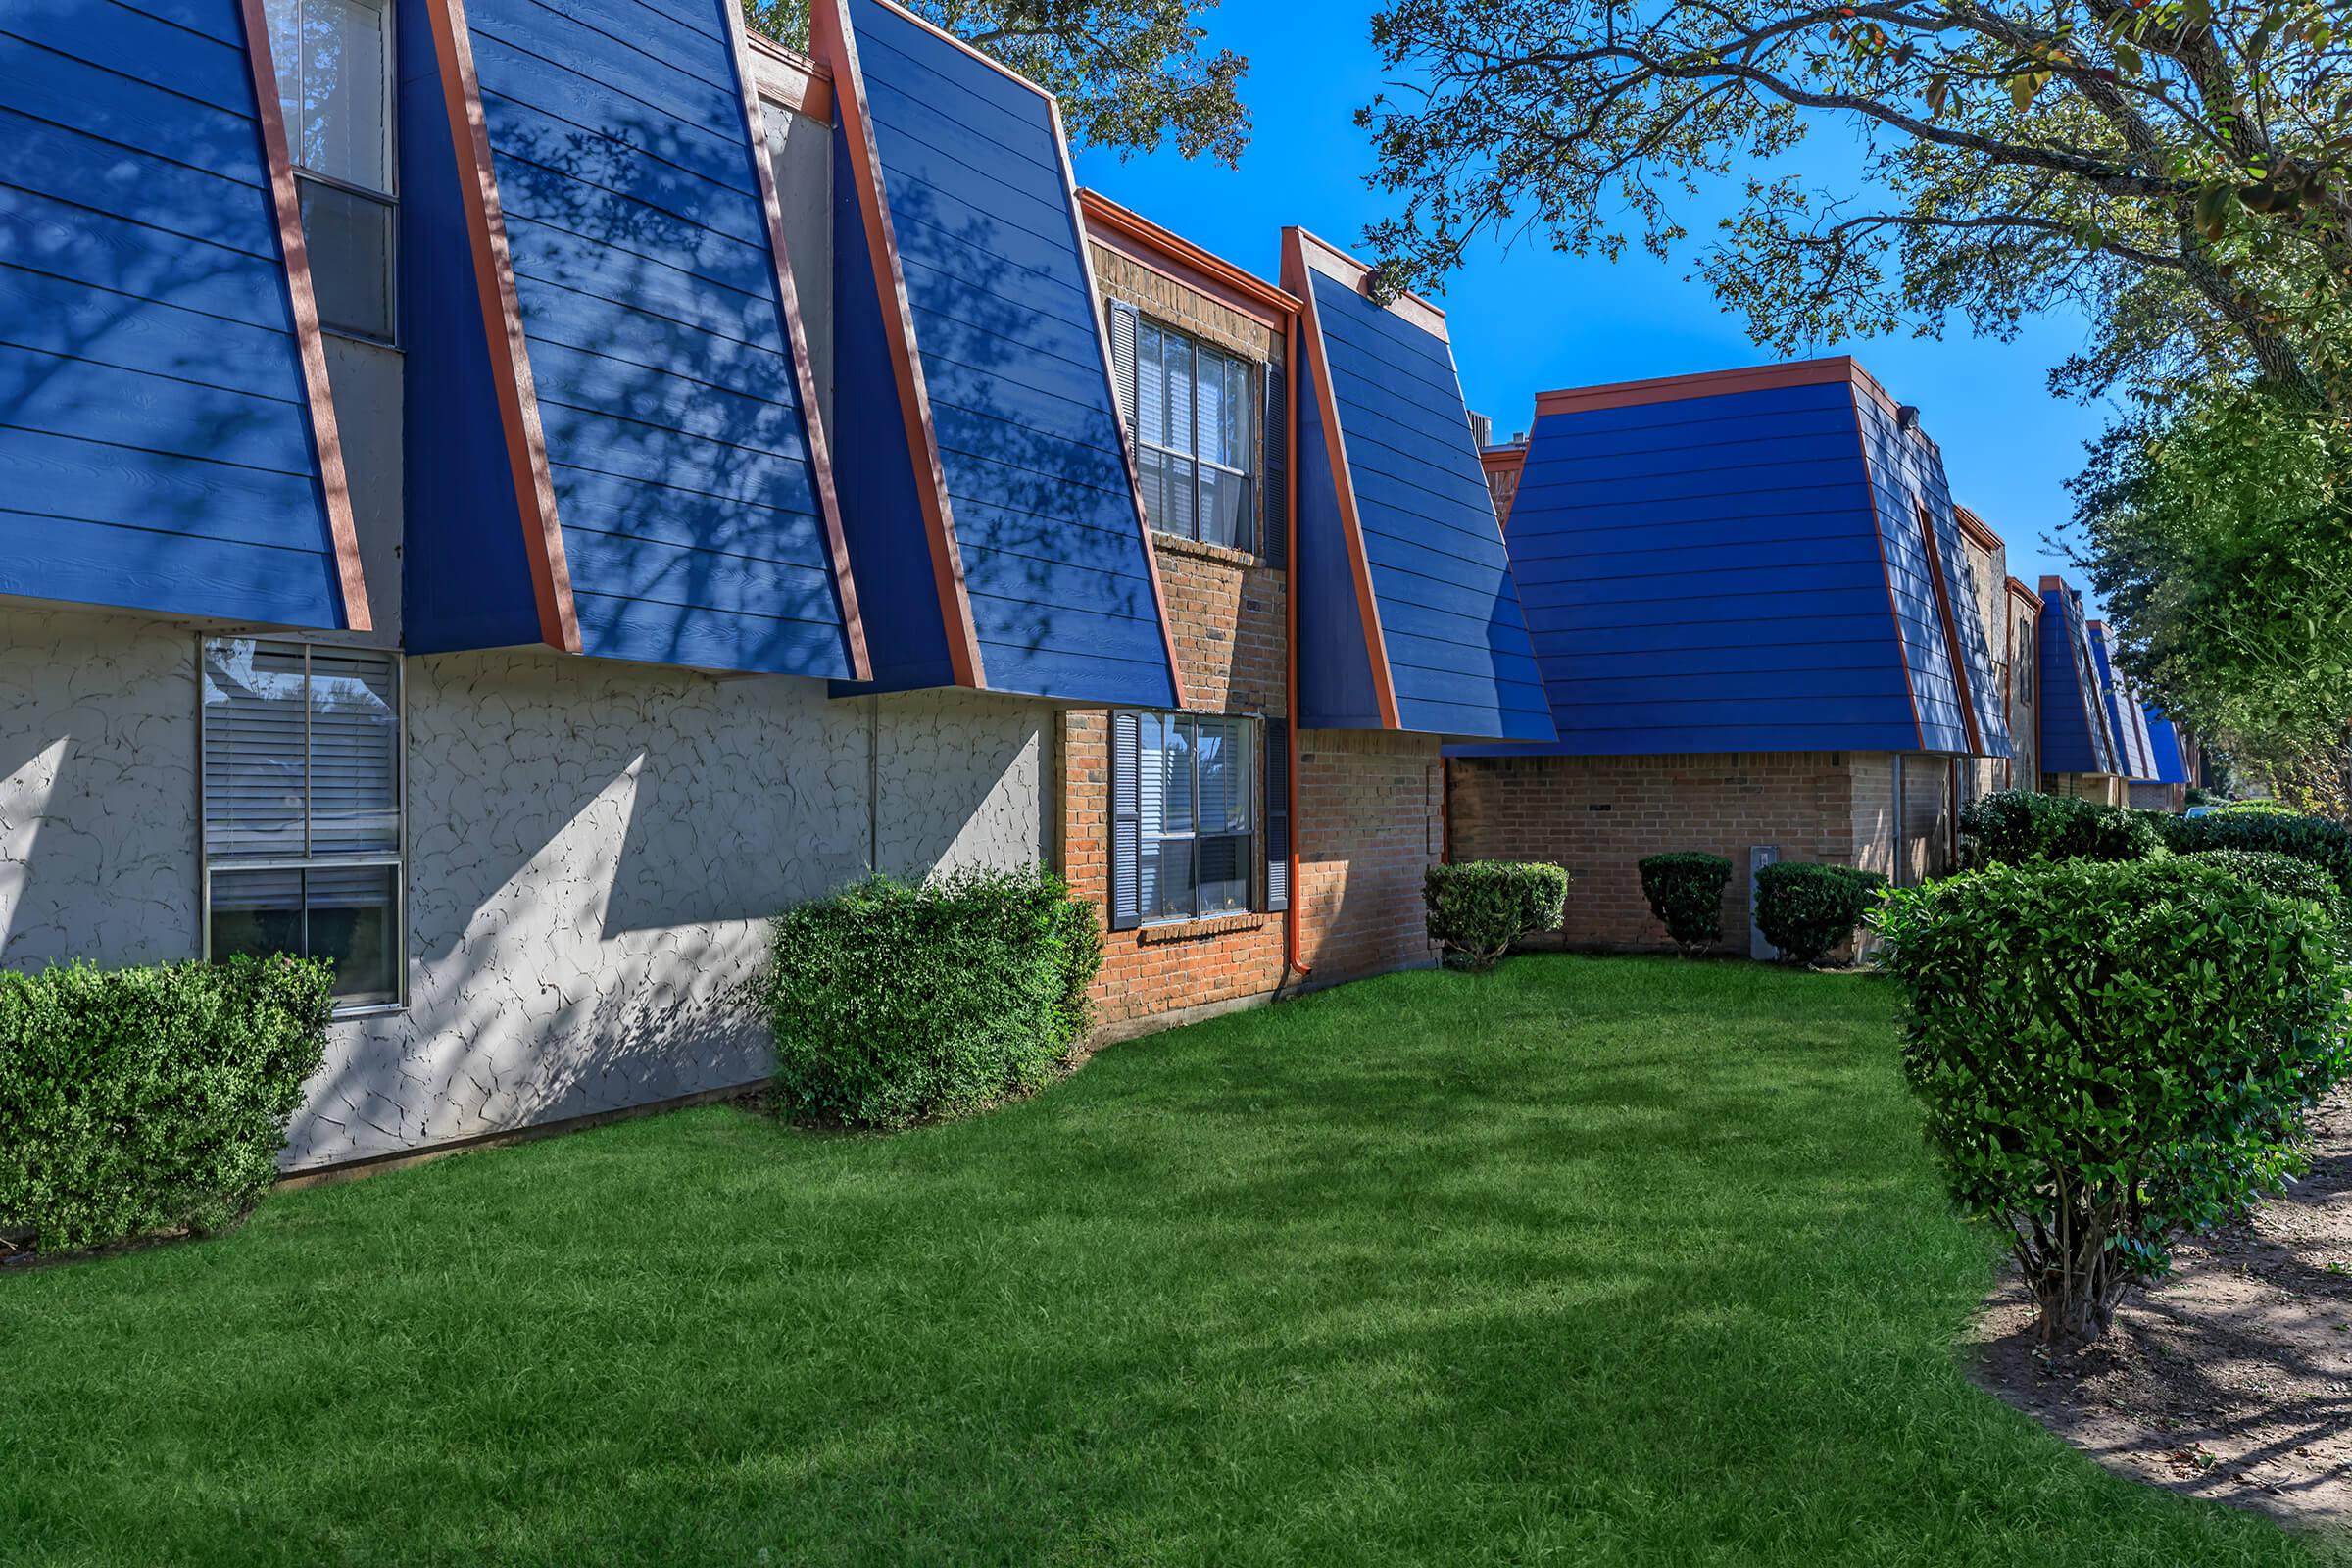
(1127, 72)
(2176, 169)
(2219, 533)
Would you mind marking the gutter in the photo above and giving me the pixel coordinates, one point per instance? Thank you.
(1290, 609)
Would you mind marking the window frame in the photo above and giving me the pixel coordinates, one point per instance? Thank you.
(1254, 793)
(396, 858)
(1249, 476)
(387, 199)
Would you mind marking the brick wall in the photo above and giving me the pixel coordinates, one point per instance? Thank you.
(1371, 810)
(1600, 815)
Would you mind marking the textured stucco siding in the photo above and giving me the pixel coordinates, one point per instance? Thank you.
(593, 852)
(97, 789)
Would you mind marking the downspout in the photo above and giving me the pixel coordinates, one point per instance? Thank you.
(1289, 611)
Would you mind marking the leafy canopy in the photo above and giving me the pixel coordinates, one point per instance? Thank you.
(1127, 74)
(2177, 171)
(2218, 532)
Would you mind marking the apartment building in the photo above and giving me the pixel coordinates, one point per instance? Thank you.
(508, 498)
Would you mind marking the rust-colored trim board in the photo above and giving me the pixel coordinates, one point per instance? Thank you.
(1321, 255)
(1135, 235)
(830, 36)
(1296, 263)
(501, 321)
(1716, 383)
(820, 456)
(301, 301)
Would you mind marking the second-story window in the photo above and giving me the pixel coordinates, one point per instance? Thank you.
(1193, 441)
(334, 87)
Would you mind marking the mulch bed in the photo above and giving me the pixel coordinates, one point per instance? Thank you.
(2231, 1380)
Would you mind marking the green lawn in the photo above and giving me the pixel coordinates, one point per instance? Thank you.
(1590, 1262)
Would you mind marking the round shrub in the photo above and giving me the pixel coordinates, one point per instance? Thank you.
(1685, 890)
(2110, 1055)
(1479, 909)
(1806, 910)
(2024, 828)
(893, 1003)
(150, 1099)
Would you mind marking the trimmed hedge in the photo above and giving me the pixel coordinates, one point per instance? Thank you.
(1479, 909)
(150, 1099)
(2025, 827)
(893, 1003)
(1685, 890)
(2282, 874)
(1806, 910)
(2110, 1055)
(2323, 843)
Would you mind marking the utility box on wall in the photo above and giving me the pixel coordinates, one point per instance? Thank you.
(1759, 855)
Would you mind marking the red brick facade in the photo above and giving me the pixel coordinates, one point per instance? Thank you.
(1599, 817)
(1369, 817)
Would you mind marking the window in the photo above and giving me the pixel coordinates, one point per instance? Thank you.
(302, 818)
(2026, 654)
(1185, 832)
(334, 87)
(1193, 438)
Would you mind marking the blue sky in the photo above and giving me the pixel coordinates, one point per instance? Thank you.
(1529, 319)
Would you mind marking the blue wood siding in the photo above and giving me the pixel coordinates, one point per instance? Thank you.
(2075, 737)
(1336, 689)
(675, 437)
(1451, 623)
(466, 582)
(1704, 575)
(1908, 482)
(2164, 741)
(2135, 755)
(1044, 507)
(156, 449)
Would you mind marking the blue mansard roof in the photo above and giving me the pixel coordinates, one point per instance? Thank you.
(993, 518)
(1760, 560)
(167, 438)
(2076, 734)
(1408, 618)
(611, 445)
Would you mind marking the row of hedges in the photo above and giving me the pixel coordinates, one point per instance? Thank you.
(2022, 827)
(1806, 910)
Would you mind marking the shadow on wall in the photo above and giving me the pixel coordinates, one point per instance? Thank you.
(97, 790)
(595, 848)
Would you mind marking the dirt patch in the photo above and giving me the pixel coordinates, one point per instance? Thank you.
(2231, 1380)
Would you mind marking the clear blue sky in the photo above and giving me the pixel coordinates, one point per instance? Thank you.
(1529, 319)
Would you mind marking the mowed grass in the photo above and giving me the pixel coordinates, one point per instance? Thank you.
(1587, 1261)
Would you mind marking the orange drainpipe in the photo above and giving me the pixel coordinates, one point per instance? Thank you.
(1289, 604)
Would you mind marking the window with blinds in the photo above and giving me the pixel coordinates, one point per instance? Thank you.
(1192, 410)
(301, 808)
(1195, 782)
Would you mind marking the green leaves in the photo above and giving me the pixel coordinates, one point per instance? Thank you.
(150, 1099)
(1477, 908)
(1685, 890)
(1808, 910)
(893, 1003)
(2111, 1053)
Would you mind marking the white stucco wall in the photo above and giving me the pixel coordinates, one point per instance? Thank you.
(594, 850)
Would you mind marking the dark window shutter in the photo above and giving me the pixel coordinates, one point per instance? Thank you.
(1123, 319)
(1278, 815)
(1126, 822)
(1277, 478)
